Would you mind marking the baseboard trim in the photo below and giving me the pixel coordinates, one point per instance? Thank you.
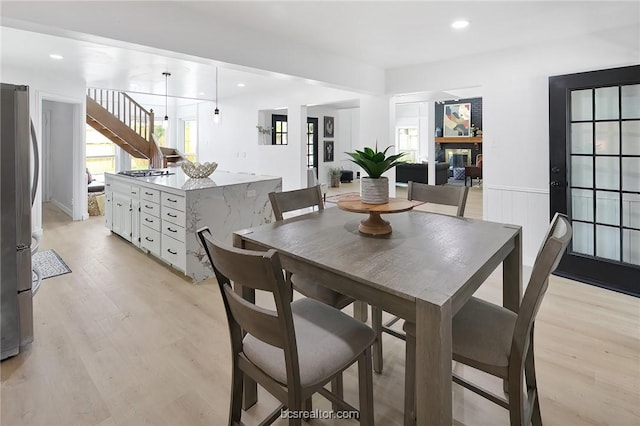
(62, 207)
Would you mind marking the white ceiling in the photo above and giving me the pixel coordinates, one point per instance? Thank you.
(386, 34)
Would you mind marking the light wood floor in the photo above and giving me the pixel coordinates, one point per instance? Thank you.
(122, 340)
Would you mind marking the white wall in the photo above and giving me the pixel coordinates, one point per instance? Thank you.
(236, 145)
(58, 151)
(516, 116)
(48, 85)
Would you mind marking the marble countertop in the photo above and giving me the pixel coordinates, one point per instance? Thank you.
(180, 181)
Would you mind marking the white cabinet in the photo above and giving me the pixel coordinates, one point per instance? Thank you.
(135, 220)
(161, 215)
(173, 222)
(121, 224)
(108, 208)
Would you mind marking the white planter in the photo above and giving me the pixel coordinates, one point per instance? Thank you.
(374, 191)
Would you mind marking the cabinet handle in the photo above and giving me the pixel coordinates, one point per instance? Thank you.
(148, 220)
(119, 205)
(148, 193)
(173, 201)
(171, 215)
(149, 207)
(172, 252)
(172, 230)
(148, 239)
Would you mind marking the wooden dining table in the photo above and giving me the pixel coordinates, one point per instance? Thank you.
(424, 272)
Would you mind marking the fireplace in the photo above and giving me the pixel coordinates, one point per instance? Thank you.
(457, 157)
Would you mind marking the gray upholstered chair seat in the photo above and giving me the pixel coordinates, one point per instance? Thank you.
(327, 340)
(482, 336)
(311, 288)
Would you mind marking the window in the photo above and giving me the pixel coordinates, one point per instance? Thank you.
(312, 142)
(280, 130)
(159, 130)
(190, 139)
(407, 139)
(101, 153)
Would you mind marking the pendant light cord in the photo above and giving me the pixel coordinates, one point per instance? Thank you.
(166, 94)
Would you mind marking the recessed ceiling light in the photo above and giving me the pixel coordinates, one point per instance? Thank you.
(240, 84)
(460, 24)
(56, 56)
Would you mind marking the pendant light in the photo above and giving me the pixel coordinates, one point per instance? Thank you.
(216, 112)
(166, 95)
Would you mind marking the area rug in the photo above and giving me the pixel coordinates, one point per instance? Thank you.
(49, 264)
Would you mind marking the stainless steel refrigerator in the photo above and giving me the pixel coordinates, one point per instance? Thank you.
(17, 192)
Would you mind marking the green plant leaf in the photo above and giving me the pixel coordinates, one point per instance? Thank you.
(375, 163)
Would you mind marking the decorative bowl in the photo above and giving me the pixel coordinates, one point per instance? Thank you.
(197, 170)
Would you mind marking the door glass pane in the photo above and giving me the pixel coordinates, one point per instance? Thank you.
(581, 138)
(608, 242)
(581, 105)
(631, 210)
(582, 204)
(631, 174)
(607, 103)
(631, 101)
(631, 246)
(608, 138)
(607, 173)
(608, 207)
(581, 171)
(631, 137)
(582, 238)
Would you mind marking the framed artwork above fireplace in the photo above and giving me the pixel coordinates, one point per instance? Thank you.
(457, 120)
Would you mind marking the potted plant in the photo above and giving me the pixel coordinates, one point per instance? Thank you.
(374, 189)
(335, 173)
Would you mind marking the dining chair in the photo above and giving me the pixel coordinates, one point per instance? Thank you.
(495, 340)
(448, 195)
(293, 351)
(287, 201)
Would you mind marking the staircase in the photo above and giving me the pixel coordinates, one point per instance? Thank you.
(124, 122)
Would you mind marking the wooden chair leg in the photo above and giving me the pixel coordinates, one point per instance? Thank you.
(237, 379)
(409, 379)
(365, 382)
(337, 389)
(376, 324)
(308, 407)
(517, 399)
(532, 385)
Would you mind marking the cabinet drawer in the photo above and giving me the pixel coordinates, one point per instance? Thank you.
(173, 216)
(173, 201)
(173, 230)
(152, 195)
(135, 192)
(173, 251)
(150, 208)
(152, 222)
(150, 239)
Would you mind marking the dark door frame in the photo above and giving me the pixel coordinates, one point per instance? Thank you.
(314, 121)
(610, 274)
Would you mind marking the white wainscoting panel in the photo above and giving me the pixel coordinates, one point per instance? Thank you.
(527, 207)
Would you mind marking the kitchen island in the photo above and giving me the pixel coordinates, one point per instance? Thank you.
(161, 214)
